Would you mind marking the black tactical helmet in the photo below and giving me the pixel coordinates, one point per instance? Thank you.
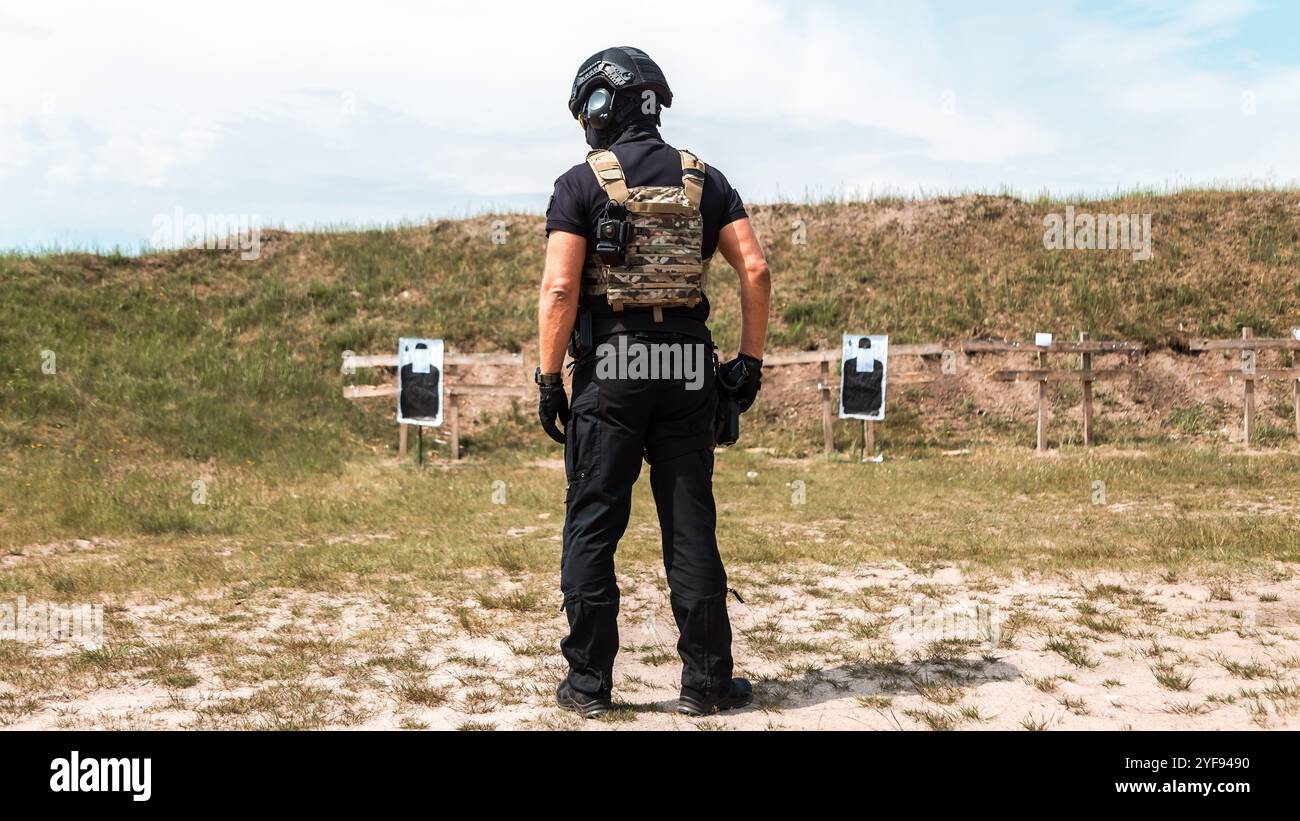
(620, 68)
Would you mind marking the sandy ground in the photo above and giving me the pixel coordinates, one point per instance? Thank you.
(877, 647)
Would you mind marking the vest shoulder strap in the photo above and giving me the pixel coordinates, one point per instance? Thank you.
(609, 174)
(692, 177)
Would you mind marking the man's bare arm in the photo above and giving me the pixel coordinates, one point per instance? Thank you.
(558, 305)
(740, 247)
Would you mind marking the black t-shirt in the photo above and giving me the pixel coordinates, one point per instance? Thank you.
(578, 202)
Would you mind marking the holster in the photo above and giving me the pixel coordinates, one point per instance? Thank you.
(726, 423)
(580, 340)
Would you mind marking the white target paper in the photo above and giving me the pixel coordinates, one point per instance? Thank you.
(863, 369)
(420, 379)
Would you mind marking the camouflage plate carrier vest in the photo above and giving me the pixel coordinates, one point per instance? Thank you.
(663, 268)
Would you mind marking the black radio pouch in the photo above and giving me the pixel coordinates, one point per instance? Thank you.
(613, 233)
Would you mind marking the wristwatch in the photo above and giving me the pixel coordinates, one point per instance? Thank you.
(548, 378)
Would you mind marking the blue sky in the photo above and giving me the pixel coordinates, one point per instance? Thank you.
(347, 113)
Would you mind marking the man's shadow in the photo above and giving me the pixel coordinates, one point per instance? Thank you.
(940, 678)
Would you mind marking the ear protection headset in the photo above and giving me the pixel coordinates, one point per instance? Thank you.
(598, 111)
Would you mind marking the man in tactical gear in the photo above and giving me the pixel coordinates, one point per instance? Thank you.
(630, 235)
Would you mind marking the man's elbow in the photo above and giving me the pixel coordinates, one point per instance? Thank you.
(559, 294)
(758, 276)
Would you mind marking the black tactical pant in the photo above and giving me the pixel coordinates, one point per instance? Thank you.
(615, 422)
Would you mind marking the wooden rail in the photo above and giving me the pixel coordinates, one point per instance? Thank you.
(825, 382)
(452, 389)
(833, 355)
(1085, 376)
(389, 360)
(1084, 345)
(1249, 374)
(1248, 342)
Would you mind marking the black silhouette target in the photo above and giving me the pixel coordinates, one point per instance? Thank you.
(864, 365)
(419, 382)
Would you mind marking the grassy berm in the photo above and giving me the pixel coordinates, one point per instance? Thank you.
(181, 364)
(174, 445)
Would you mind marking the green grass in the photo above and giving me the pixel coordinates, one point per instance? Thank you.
(193, 372)
(1183, 508)
(1069, 648)
(1171, 678)
(194, 355)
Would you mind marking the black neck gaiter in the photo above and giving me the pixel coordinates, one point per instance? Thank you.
(630, 124)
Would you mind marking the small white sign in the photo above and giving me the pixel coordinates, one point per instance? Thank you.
(1043, 340)
(1295, 332)
(864, 364)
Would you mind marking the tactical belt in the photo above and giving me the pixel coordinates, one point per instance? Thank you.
(634, 321)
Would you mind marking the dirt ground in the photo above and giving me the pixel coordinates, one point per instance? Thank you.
(873, 647)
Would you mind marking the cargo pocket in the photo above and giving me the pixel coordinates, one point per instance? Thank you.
(581, 448)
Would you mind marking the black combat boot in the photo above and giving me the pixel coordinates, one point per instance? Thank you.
(584, 705)
(694, 703)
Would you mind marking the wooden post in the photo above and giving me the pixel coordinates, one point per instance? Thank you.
(869, 439)
(1249, 394)
(1042, 405)
(453, 419)
(1087, 393)
(401, 439)
(1295, 390)
(828, 424)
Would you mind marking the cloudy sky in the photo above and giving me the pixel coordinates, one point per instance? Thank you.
(331, 113)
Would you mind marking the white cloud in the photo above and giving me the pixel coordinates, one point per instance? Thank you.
(111, 113)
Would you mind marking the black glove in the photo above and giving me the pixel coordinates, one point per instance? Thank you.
(552, 402)
(742, 376)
